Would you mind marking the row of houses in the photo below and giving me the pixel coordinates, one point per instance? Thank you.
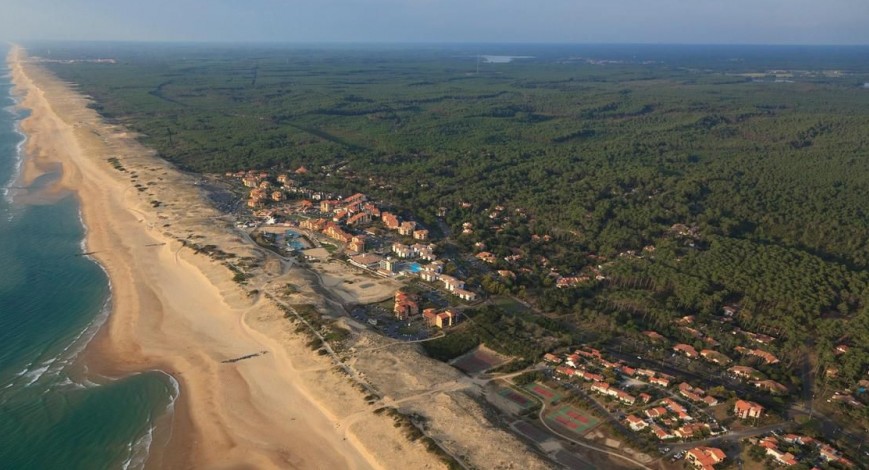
(825, 452)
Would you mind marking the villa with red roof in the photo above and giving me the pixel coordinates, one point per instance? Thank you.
(705, 458)
(747, 409)
(687, 350)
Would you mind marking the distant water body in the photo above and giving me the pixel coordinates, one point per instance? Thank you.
(52, 302)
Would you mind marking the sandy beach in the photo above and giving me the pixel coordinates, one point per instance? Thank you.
(180, 312)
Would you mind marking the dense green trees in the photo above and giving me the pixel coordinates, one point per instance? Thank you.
(603, 158)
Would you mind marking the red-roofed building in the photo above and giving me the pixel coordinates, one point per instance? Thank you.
(654, 335)
(661, 433)
(691, 430)
(747, 409)
(390, 220)
(705, 458)
(405, 305)
(660, 381)
(686, 349)
(636, 423)
(549, 357)
(588, 376)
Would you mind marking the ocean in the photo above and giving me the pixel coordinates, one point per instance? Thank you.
(53, 299)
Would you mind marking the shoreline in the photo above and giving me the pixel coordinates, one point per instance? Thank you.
(179, 312)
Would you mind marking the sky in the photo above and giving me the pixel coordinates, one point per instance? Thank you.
(409, 21)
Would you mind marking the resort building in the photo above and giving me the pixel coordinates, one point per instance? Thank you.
(405, 305)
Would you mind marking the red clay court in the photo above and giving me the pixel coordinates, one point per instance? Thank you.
(543, 392)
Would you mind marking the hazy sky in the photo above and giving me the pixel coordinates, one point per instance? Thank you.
(577, 21)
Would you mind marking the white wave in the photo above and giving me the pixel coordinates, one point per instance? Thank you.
(139, 451)
(19, 155)
(34, 375)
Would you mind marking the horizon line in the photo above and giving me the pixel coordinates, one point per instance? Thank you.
(420, 43)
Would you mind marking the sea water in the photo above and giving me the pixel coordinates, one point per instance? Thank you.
(53, 299)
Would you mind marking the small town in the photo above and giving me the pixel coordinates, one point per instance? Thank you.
(655, 405)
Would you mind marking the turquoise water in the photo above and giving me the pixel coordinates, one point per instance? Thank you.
(52, 300)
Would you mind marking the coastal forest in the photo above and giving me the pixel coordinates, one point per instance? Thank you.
(678, 179)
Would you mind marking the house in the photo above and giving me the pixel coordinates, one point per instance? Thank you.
(359, 218)
(357, 244)
(663, 382)
(842, 349)
(661, 433)
(367, 261)
(636, 423)
(691, 430)
(389, 265)
(403, 251)
(430, 316)
(645, 397)
(715, 357)
(564, 370)
(465, 295)
(767, 357)
(600, 387)
(785, 458)
(705, 458)
(314, 225)
(628, 371)
(446, 318)
(551, 358)
(654, 336)
(426, 252)
(771, 386)
(743, 371)
(277, 196)
(487, 257)
(747, 409)
(428, 276)
(657, 412)
(390, 220)
(588, 376)
(328, 206)
(407, 228)
(590, 353)
(686, 349)
(673, 406)
(710, 400)
(405, 305)
(625, 397)
(798, 439)
(421, 234)
(332, 230)
(451, 283)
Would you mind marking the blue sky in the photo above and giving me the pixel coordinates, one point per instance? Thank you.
(574, 21)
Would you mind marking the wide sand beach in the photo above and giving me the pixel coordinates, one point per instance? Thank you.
(180, 312)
